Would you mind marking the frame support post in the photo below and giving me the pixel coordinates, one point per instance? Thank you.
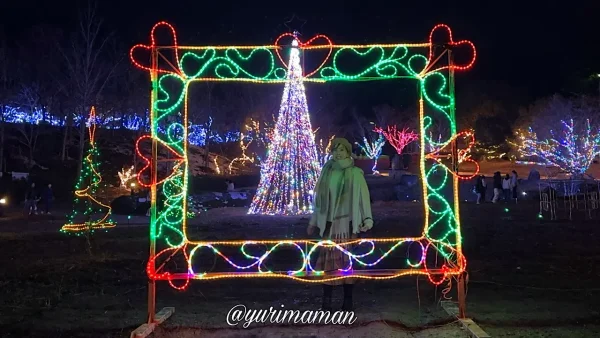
(462, 299)
(153, 169)
(154, 318)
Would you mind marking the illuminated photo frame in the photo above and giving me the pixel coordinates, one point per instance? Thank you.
(173, 68)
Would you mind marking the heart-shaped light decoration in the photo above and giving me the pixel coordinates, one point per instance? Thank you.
(306, 45)
(145, 62)
(148, 162)
(446, 39)
(463, 154)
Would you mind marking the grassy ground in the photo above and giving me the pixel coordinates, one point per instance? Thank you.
(527, 278)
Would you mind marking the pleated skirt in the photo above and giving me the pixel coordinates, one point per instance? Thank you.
(332, 259)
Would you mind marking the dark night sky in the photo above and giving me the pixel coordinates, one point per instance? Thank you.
(536, 48)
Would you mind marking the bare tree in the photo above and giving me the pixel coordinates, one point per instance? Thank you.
(546, 114)
(137, 104)
(29, 98)
(362, 124)
(68, 124)
(326, 114)
(203, 106)
(386, 115)
(36, 93)
(7, 90)
(88, 67)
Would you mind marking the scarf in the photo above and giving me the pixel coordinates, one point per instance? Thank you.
(322, 201)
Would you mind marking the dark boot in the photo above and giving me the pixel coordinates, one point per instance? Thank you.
(327, 293)
(348, 306)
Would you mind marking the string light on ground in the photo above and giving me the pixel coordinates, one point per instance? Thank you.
(89, 214)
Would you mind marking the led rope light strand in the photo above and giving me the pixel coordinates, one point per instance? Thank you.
(229, 63)
(441, 220)
(254, 267)
(463, 154)
(86, 189)
(290, 172)
(438, 210)
(387, 66)
(441, 215)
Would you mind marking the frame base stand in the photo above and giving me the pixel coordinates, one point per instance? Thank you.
(467, 323)
(145, 330)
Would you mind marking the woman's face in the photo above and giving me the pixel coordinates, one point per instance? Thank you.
(340, 153)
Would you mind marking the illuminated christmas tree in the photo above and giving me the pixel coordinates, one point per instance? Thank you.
(88, 213)
(289, 174)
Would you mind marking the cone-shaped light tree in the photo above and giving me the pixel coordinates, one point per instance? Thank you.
(289, 174)
(88, 213)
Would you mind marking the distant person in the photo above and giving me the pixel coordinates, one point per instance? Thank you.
(48, 198)
(506, 188)
(514, 182)
(31, 200)
(484, 192)
(149, 200)
(480, 188)
(497, 186)
(534, 175)
(230, 185)
(396, 162)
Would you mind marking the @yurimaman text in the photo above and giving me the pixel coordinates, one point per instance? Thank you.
(239, 314)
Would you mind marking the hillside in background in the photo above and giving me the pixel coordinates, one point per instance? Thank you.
(117, 152)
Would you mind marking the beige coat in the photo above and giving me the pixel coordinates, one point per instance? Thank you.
(348, 199)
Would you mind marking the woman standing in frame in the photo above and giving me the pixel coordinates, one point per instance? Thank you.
(342, 209)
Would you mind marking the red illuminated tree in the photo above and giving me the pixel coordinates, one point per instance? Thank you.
(399, 139)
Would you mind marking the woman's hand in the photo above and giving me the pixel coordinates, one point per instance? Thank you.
(367, 225)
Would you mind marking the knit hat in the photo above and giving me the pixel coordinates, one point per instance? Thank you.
(341, 141)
